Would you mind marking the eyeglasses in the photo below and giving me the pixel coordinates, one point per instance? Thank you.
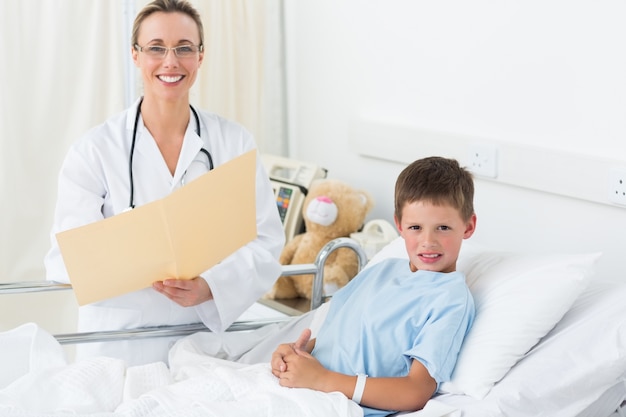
(181, 51)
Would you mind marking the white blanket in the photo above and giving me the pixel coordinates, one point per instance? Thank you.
(194, 385)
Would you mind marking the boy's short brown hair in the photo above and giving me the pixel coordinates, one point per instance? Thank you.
(440, 181)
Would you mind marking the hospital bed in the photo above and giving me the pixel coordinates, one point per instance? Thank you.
(549, 337)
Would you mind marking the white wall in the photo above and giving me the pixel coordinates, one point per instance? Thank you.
(548, 74)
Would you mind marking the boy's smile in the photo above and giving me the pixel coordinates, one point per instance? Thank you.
(433, 235)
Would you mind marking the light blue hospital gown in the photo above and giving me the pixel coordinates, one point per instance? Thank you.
(387, 316)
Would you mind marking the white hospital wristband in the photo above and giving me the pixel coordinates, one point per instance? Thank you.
(359, 388)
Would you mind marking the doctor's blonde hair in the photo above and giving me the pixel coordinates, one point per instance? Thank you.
(166, 6)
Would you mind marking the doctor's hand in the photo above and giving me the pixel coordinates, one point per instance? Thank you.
(185, 292)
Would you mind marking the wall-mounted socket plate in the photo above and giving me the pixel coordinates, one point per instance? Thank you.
(617, 186)
(482, 160)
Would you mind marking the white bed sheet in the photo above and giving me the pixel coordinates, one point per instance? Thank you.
(608, 403)
(194, 384)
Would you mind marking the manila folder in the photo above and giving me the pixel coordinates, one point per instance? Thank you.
(179, 236)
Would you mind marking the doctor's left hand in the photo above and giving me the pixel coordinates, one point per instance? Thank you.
(185, 292)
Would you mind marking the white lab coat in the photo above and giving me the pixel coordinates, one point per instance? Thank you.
(94, 184)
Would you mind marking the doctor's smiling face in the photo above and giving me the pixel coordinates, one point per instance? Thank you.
(169, 76)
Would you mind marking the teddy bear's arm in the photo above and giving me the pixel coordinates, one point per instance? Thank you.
(286, 256)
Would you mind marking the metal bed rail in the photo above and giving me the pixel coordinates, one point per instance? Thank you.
(158, 331)
(32, 286)
(317, 298)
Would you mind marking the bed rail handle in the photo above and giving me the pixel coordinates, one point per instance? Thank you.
(317, 295)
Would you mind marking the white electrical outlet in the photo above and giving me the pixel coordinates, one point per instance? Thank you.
(617, 186)
(482, 160)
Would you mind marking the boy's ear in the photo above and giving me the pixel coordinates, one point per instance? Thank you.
(397, 222)
(470, 227)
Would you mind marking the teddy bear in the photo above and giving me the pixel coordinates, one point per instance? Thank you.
(330, 210)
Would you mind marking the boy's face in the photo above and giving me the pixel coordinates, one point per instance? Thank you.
(433, 235)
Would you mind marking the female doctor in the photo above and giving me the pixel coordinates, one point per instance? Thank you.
(145, 153)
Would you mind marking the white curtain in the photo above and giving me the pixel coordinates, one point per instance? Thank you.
(242, 74)
(62, 73)
(66, 68)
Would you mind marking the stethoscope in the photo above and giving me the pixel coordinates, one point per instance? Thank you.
(131, 204)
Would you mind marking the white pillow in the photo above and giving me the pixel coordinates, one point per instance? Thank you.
(518, 297)
(592, 334)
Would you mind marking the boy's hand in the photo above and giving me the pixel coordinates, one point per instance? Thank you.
(278, 363)
(302, 370)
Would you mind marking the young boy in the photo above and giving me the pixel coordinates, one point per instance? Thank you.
(393, 334)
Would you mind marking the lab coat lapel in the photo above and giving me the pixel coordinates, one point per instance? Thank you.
(148, 158)
(190, 150)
